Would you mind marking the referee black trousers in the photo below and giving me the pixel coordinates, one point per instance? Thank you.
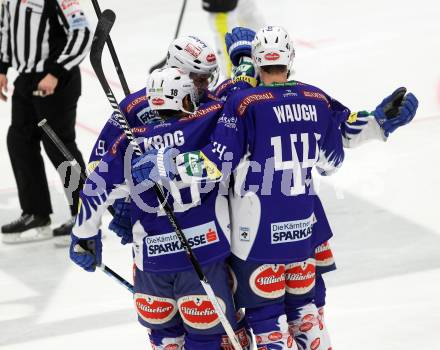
(25, 137)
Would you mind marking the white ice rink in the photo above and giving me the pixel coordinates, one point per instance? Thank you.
(383, 204)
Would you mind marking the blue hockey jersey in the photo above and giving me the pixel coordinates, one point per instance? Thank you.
(272, 136)
(156, 246)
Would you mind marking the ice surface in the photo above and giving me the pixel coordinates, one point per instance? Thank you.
(383, 204)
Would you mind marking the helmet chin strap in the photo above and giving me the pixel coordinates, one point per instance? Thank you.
(194, 107)
(192, 97)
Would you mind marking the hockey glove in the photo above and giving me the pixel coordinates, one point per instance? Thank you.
(86, 252)
(239, 43)
(155, 165)
(246, 72)
(121, 222)
(396, 110)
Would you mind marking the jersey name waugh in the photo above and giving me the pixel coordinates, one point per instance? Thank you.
(295, 112)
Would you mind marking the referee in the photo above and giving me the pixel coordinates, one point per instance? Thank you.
(44, 41)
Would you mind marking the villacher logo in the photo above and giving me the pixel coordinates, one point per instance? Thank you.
(268, 281)
(154, 309)
(198, 312)
(300, 277)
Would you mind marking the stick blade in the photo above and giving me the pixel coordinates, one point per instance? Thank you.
(103, 28)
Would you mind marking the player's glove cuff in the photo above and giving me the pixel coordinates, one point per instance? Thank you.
(155, 165)
(86, 252)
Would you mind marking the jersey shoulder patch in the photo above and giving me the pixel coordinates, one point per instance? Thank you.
(133, 100)
(137, 131)
(246, 98)
(313, 92)
(222, 87)
(203, 111)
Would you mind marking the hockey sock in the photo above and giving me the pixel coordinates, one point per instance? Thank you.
(203, 341)
(308, 329)
(244, 336)
(167, 338)
(319, 291)
(269, 324)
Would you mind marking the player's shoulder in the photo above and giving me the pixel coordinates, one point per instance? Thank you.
(313, 92)
(242, 99)
(206, 111)
(134, 99)
(131, 103)
(121, 141)
(223, 87)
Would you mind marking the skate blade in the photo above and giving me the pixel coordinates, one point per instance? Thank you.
(32, 235)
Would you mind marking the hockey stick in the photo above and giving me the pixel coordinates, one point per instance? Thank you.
(162, 63)
(105, 24)
(112, 50)
(63, 149)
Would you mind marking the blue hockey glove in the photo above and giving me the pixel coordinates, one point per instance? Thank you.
(396, 110)
(121, 222)
(154, 165)
(239, 43)
(86, 252)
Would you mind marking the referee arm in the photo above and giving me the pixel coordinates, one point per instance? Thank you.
(79, 39)
(5, 51)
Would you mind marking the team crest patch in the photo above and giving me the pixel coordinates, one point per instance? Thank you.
(198, 312)
(154, 310)
(268, 281)
(253, 98)
(300, 277)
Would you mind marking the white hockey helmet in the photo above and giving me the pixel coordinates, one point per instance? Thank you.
(193, 55)
(166, 88)
(272, 46)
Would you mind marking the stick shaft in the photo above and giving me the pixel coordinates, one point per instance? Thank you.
(113, 54)
(60, 145)
(118, 278)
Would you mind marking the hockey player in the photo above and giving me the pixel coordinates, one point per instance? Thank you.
(168, 296)
(273, 136)
(359, 128)
(192, 55)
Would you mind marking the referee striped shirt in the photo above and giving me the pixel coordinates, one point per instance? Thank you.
(42, 35)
